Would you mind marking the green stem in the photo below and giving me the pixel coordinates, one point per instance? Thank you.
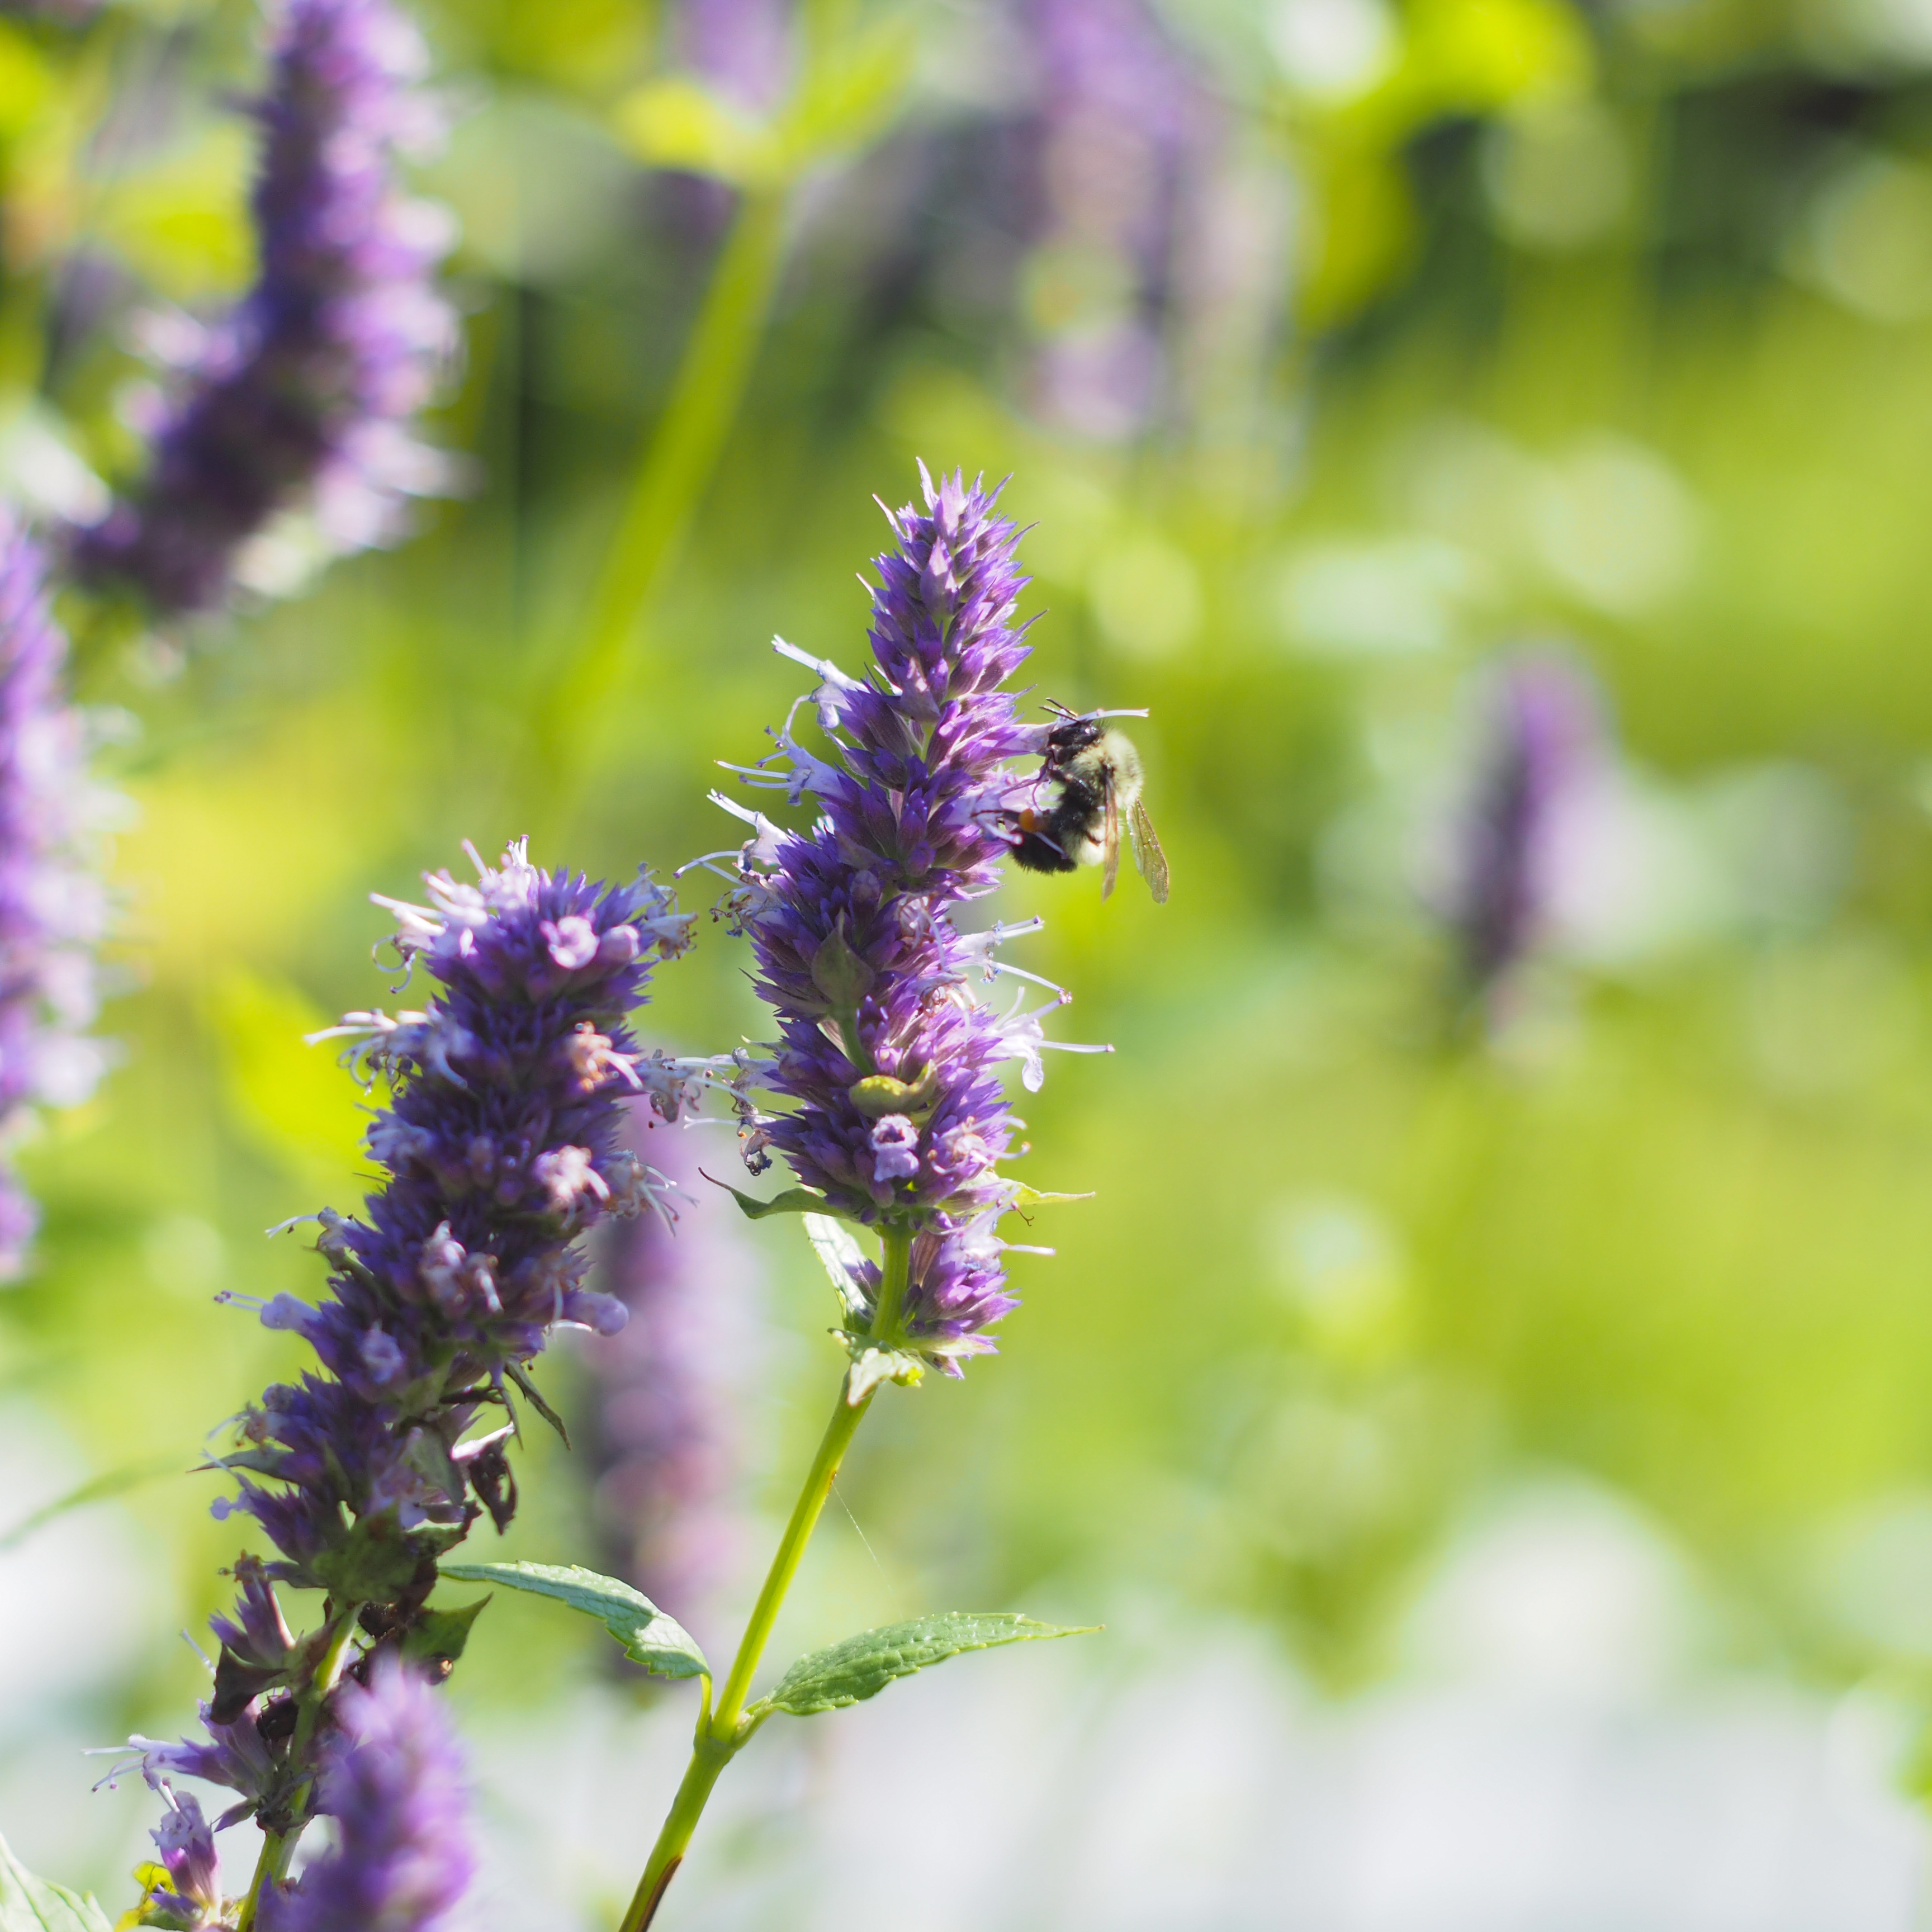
(278, 1847)
(894, 1268)
(723, 1729)
(676, 465)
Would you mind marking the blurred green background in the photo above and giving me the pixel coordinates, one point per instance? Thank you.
(1477, 321)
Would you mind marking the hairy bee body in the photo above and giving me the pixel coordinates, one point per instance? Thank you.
(1068, 828)
(1089, 783)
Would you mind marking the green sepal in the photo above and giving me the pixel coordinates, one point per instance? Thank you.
(31, 1904)
(376, 1562)
(861, 1666)
(238, 1684)
(660, 1643)
(838, 972)
(520, 1376)
(872, 1365)
(879, 1094)
(269, 1463)
(439, 1637)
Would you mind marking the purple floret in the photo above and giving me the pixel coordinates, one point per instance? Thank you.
(188, 1897)
(53, 907)
(302, 397)
(392, 1778)
(892, 1064)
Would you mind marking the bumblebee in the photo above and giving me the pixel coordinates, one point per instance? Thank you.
(1090, 781)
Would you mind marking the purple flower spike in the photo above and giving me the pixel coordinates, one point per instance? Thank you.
(1542, 745)
(503, 1144)
(53, 907)
(891, 1063)
(392, 1778)
(1122, 129)
(302, 397)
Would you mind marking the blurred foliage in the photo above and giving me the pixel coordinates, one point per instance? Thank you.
(1614, 324)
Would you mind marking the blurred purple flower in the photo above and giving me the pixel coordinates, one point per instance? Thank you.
(302, 397)
(1122, 129)
(667, 1434)
(1541, 746)
(392, 1778)
(501, 1144)
(889, 1061)
(53, 907)
(742, 47)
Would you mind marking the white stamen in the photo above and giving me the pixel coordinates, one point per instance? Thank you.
(825, 667)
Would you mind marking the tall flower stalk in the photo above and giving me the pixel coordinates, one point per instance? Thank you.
(53, 906)
(302, 397)
(888, 1105)
(502, 1147)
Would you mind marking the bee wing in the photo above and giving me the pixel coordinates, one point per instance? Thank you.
(1110, 840)
(1147, 854)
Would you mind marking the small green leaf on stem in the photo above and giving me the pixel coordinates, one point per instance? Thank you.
(661, 1644)
(1031, 1197)
(861, 1666)
(31, 1904)
(792, 1201)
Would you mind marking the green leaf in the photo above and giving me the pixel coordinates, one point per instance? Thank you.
(861, 1666)
(792, 1201)
(659, 1642)
(31, 1904)
(842, 1256)
(1031, 1197)
(97, 1488)
(377, 1561)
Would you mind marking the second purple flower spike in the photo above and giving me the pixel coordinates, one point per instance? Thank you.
(888, 1060)
(302, 397)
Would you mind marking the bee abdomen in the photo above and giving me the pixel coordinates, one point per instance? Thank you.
(1038, 853)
